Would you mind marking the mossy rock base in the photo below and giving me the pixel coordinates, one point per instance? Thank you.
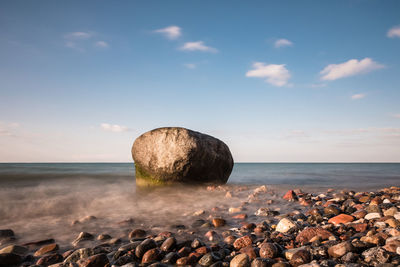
(144, 179)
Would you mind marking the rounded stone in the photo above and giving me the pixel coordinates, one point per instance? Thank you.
(178, 155)
(340, 249)
(268, 250)
(300, 257)
(46, 249)
(168, 244)
(242, 242)
(241, 260)
(285, 225)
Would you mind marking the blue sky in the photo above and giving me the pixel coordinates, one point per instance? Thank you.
(278, 81)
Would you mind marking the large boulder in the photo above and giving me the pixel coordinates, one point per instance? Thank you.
(178, 155)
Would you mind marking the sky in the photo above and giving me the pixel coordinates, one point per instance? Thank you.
(277, 81)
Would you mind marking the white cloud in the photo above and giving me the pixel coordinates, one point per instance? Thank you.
(198, 46)
(276, 75)
(114, 128)
(349, 68)
(78, 35)
(282, 43)
(101, 44)
(394, 32)
(397, 115)
(190, 65)
(171, 32)
(357, 96)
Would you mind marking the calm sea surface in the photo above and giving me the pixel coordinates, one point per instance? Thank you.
(352, 175)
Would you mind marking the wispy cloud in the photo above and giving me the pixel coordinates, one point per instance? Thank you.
(394, 32)
(78, 35)
(190, 65)
(282, 43)
(349, 68)
(171, 32)
(358, 96)
(101, 44)
(198, 46)
(397, 116)
(114, 128)
(274, 74)
(81, 41)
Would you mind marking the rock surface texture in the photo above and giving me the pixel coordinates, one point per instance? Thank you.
(178, 155)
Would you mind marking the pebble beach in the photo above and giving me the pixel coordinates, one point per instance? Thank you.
(239, 226)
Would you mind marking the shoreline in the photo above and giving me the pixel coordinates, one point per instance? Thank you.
(240, 226)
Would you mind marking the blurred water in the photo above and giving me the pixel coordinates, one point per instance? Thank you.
(41, 200)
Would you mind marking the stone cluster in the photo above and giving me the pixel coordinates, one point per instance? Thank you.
(338, 229)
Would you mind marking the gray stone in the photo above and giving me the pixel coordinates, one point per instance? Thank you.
(178, 155)
(376, 255)
(79, 254)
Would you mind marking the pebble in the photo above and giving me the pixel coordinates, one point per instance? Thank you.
(341, 218)
(79, 254)
(14, 249)
(260, 262)
(242, 242)
(145, 246)
(218, 222)
(376, 255)
(168, 244)
(285, 225)
(290, 252)
(340, 249)
(268, 250)
(50, 259)
(137, 233)
(83, 236)
(290, 196)
(241, 260)
(46, 249)
(309, 233)
(98, 260)
(372, 216)
(249, 251)
(151, 255)
(199, 212)
(300, 257)
(103, 237)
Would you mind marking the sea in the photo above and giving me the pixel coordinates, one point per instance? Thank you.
(52, 200)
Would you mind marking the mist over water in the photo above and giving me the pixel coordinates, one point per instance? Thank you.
(41, 201)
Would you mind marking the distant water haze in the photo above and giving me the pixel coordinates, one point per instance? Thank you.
(42, 200)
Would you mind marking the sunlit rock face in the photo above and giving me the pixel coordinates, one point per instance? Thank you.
(178, 155)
